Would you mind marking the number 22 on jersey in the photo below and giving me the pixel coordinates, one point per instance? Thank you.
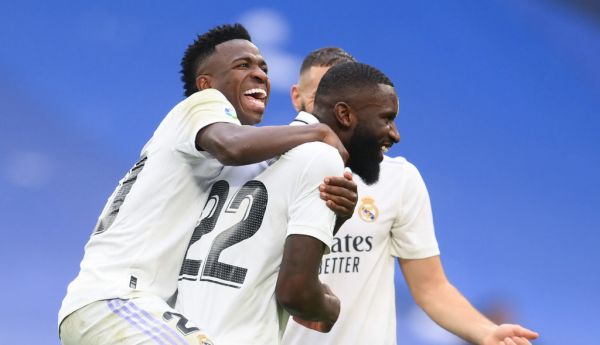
(256, 197)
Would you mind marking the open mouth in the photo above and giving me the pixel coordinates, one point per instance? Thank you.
(383, 150)
(255, 99)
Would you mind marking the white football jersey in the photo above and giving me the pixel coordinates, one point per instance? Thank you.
(142, 233)
(227, 282)
(392, 219)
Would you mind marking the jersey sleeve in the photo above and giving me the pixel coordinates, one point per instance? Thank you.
(308, 214)
(413, 235)
(200, 110)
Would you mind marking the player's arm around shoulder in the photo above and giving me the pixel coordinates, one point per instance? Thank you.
(233, 144)
(316, 160)
(298, 288)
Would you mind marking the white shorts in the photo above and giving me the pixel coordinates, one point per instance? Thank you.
(140, 320)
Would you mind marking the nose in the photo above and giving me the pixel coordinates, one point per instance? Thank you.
(394, 134)
(260, 75)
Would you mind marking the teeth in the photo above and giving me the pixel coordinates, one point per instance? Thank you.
(256, 101)
(384, 149)
(252, 91)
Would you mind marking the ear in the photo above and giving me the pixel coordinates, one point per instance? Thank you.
(295, 97)
(343, 114)
(203, 82)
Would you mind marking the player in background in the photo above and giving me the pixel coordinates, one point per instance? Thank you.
(393, 219)
(133, 257)
(255, 254)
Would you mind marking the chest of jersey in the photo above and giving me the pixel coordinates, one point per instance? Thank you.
(367, 234)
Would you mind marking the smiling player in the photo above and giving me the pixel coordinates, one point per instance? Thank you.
(253, 259)
(394, 219)
(133, 257)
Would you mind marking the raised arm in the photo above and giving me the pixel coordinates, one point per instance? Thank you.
(232, 144)
(445, 305)
(299, 290)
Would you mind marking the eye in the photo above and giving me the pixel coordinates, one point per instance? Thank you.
(389, 120)
(243, 65)
(265, 69)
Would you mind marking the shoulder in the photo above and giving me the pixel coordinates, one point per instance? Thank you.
(207, 95)
(398, 164)
(398, 172)
(316, 157)
(315, 149)
(209, 99)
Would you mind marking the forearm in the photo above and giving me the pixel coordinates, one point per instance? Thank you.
(298, 288)
(240, 145)
(451, 310)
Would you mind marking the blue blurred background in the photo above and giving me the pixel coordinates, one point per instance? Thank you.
(500, 110)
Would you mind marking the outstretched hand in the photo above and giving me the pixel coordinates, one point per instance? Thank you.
(340, 194)
(507, 334)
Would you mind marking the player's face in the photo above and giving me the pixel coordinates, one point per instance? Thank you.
(374, 133)
(303, 93)
(237, 69)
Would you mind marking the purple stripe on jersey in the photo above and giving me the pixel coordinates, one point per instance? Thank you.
(157, 331)
(158, 322)
(116, 309)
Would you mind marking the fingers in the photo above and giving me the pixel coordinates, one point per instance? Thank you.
(520, 341)
(345, 193)
(340, 187)
(343, 212)
(344, 182)
(526, 333)
(342, 150)
(348, 174)
(514, 335)
(331, 138)
(340, 195)
(515, 341)
(345, 155)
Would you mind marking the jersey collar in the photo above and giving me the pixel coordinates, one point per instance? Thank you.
(304, 118)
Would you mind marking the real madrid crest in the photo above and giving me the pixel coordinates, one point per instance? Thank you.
(367, 211)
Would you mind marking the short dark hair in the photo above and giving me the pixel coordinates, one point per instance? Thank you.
(349, 76)
(204, 45)
(326, 57)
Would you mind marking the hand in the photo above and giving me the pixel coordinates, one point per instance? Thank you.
(332, 139)
(507, 334)
(324, 326)
(340, 194)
